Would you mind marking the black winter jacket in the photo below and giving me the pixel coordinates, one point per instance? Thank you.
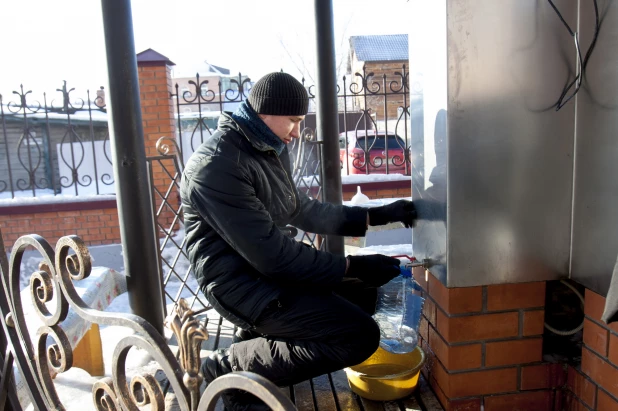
(235, 192)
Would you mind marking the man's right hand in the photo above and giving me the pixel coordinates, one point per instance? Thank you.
(375, 270)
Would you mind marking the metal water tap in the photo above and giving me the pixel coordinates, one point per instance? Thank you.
(414, 262)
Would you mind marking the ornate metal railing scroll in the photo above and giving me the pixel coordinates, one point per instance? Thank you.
(190, 334)
(70, 262)
(38, 361)
(250, 382)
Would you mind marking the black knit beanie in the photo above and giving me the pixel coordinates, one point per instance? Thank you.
(279, 94)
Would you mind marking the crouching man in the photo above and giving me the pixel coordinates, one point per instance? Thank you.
(301, 312)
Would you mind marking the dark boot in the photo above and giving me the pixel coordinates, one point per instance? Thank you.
(218, 364)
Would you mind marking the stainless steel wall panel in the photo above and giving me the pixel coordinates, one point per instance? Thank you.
(504, 169)
(428, 66)
(595, 216)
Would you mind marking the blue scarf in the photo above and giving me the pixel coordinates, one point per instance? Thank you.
(246, 116)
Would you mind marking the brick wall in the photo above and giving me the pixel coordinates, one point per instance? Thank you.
(594, 385)
(155, 82)
(484, 346)
(95, 222)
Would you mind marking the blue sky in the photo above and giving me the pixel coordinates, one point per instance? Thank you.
(45, 42)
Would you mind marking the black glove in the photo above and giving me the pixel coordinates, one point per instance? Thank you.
(374, 270)
(401, 210)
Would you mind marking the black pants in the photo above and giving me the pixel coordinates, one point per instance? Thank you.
(310, 333)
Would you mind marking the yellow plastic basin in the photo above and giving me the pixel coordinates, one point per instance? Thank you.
(386, 376)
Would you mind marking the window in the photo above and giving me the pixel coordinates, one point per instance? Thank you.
(394, 142)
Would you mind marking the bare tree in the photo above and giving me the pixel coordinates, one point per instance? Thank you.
(302, 53)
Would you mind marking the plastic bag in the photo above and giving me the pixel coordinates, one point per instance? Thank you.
(359, 197)
(398, 313)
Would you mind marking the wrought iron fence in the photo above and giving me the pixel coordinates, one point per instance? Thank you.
(59, 146)
(177, 273)
(375, 129)
(307, 177)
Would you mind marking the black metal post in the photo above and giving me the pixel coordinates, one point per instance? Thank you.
(137, 231)
(327, 115)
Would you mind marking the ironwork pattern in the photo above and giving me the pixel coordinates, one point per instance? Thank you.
(369, 91)
(62, 146)
(38, 361)
(54, 147)
(173, 258)
(189, 334)
(360, 101)
(307, 175)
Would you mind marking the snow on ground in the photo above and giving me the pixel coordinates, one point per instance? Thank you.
(372, 178)
(376, 202)
(393, 250)
(34, 111)
(310, 181)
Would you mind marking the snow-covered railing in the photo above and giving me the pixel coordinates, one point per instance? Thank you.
(54, 145)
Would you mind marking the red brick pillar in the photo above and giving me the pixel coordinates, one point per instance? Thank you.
(155, 82)
(595, 386)
(484, 346)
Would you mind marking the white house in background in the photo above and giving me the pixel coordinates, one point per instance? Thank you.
(216, 84)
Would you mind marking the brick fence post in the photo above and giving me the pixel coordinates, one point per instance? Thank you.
(155, 82)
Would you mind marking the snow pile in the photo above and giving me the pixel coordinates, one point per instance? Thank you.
(312, 181)
(46, 196)
(372, 178)
(393, 250)
(376, 202)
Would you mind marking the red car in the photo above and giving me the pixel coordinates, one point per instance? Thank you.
(363, 147)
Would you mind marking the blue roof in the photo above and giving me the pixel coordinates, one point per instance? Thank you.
(393, 47)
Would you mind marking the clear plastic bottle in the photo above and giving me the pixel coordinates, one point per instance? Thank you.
(398, 313)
